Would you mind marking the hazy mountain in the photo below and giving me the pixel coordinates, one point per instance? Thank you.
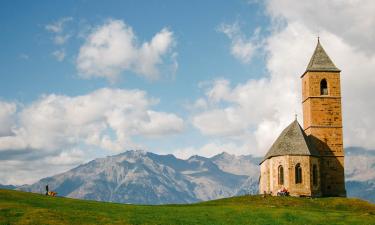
(361, 189)
(360, 173)
(10, 187)
(147, 178)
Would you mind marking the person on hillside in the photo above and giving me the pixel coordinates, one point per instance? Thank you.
(47, 189)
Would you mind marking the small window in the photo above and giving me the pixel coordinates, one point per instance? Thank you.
(323, 87)
(315, 175)
(298, 174)
(281, 175)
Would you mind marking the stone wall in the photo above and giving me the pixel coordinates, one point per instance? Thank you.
(311, 84)
(264, 181)
(322, 119)
(269, 175)
(333, 178)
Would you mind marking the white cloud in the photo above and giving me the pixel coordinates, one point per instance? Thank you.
(255, 111)
(55, 127)
(60, 37)
(113, 48)
(58, 26)
(241, 47)
(222, 122)
(351, 20)
(26, 170)
(59, 55)
(106, 118)
(72, 157)
(7, 111)
(260, 108)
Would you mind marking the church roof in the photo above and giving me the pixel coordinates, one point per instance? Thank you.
(292, 141)
(320, 61)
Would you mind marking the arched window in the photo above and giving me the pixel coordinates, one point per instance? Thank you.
(281, 175)
(323, 87)
(315, 175)
(298, 173)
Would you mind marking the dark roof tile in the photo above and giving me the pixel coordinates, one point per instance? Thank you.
(320, 61)
(292, 141)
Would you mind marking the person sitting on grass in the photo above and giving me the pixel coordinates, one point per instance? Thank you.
(282, 192)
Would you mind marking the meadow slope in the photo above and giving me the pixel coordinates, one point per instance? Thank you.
(27, 208)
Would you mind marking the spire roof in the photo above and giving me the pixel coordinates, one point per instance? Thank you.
(292, 141)
(320, 61)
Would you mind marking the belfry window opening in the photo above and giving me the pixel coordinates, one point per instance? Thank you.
(323, 87)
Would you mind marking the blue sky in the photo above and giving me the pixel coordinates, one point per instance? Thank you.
(202, 51)
(197, 77)
(30, 70)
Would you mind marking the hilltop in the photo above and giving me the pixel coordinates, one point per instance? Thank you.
(28, 208)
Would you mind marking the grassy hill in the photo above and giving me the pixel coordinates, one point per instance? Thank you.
(27, 208)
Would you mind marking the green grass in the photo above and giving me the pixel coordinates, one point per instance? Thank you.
(27, 208)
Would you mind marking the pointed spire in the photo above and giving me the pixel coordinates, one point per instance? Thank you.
(320, 61)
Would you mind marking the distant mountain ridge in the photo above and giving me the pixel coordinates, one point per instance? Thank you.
(8, 187)
(147, 178)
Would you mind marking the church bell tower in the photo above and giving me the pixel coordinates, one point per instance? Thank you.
(322, 119)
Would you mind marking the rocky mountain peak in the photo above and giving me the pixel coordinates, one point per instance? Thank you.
(141, 177)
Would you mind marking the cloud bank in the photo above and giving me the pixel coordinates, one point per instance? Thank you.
(62, 129)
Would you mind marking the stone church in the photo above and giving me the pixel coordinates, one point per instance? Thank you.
(309, 161)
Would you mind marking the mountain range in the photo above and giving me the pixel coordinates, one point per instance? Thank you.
(146, 178)
(139, 177)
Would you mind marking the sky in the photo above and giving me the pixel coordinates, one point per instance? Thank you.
(87, 79)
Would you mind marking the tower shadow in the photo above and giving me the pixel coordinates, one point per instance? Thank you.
(332, 177)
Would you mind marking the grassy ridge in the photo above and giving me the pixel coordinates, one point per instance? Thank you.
(27, 208)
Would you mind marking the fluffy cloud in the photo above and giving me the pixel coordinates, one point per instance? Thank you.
(26, 168)
(255, 111)
(7, 111)
(55, 127)
(260, 108)
(241, 47)
(319, 16)
(106, 118)
(113, 48)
